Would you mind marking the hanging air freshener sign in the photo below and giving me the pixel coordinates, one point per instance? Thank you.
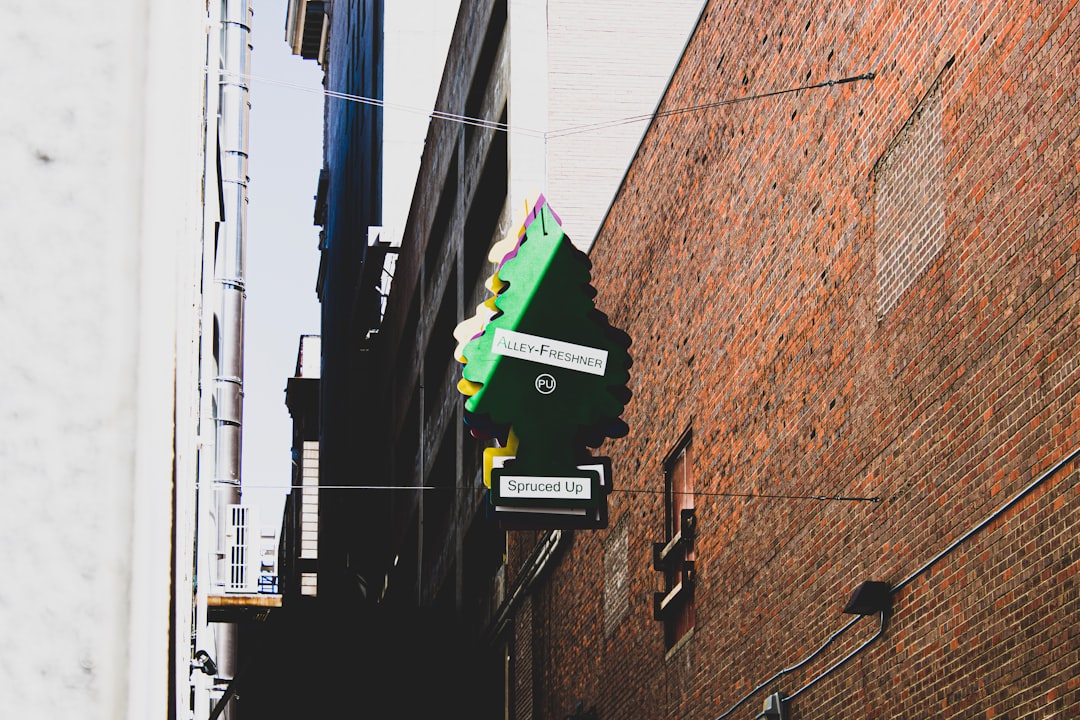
(546, 375)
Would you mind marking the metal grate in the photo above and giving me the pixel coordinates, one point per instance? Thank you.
(243, 577)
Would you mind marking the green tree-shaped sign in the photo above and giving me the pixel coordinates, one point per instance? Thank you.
(546, 363)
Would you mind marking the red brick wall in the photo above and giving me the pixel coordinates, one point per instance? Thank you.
(742, 255)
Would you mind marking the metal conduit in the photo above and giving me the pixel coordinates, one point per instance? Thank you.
(977, 528)
(531, 570)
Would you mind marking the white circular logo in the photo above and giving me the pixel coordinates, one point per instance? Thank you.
(545, 384)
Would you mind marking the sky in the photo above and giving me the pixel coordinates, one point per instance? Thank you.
(285, 147)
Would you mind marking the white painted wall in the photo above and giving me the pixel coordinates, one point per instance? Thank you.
(607, 60)
(100, 215)
(527, 111)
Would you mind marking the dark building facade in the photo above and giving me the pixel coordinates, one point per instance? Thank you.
(443, 561)
(375, 646)
(854, 308)
(348, 204)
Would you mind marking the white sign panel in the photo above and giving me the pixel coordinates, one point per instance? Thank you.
(549, 352)
(546, 488)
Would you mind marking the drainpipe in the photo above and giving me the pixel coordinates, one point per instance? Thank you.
(531, 571)
(229, 280)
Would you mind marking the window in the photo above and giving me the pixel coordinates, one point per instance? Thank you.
(674, 556)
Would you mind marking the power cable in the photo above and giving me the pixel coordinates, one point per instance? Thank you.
(976, 529)
(563, 132)
(705, 106)
(379, 103)
(448, 488)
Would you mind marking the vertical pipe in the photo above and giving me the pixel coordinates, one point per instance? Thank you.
(235, 108)
(229, 279)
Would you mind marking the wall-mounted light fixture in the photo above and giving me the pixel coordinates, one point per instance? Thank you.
(203, 661)
(870, 598)
(772, 708)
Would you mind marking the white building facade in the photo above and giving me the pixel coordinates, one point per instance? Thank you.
(102, 135)
(123, 204)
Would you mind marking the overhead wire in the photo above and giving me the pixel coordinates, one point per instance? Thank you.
(377, 102)
(629, 491)
(705, 106)
(561, 132)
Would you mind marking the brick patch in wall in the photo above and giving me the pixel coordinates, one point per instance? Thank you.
(616, 585)
(909, 207)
